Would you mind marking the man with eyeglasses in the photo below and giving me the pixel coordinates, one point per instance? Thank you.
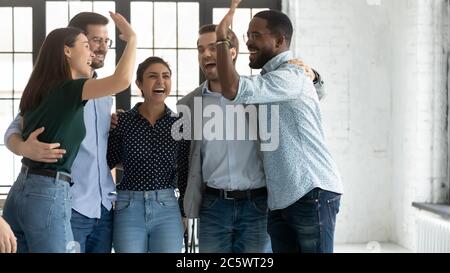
(226, 185)
(303, 182)
(92, 192)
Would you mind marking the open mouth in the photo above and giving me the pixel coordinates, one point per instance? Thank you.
(99, 56)
(210, 65)
(159, 90)
(253, 51)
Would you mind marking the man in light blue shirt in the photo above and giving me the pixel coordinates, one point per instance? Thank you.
(226, 186)
(303, 181)
(92, 192)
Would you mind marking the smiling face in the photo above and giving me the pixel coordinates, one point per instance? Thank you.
(262, 45)
(99, 43)
(79, 57)
(156, 83)
(207, 55)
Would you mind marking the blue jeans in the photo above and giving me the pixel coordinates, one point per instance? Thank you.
(147, 222)
(233, 226)
(93, 235)
(38, 208)
(307, 226)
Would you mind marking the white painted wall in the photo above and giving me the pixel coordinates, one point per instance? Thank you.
(419, 143)
(384, 66)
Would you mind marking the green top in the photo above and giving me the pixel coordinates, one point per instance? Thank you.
(61, 113)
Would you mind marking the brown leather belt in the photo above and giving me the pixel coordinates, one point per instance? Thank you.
(236, 195)
(48, 173)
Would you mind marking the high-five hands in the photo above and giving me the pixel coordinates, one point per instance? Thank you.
(222, 28)
(126, 32)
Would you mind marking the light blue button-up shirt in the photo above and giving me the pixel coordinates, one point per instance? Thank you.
(93, 183)
(302, 161)
(230, 164)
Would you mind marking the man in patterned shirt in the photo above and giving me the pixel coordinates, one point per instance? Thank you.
(226, 183)
(303, 181)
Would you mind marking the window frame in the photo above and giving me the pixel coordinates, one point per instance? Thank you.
(123, 100)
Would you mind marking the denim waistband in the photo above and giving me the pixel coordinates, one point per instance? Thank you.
(141, 195)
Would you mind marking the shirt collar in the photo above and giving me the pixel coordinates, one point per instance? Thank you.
(167, 111)
(206, 91)
(276, 61)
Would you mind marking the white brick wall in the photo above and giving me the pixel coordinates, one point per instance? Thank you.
(419, 143)
(385, 68)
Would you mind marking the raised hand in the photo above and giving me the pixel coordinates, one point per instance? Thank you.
(222, 28)
(126, 31)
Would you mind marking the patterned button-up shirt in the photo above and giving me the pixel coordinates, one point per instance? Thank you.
(302, 161)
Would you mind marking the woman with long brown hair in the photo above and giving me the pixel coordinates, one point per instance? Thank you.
(38, 207)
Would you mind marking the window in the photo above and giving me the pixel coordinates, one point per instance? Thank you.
(165, 28)
(16, 62)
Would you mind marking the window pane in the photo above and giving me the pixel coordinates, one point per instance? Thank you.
(218, 14)
(76, 7)
(23, 27)
(17, 166)
(57, 15)
(6, 117)
(110, 65)
(242, 64)
(170, 56)
(103, 7)
(23, 65)
(240, 26)
(6, 169)
(165, 25)
(142, 22)
(136, 99)
(6, 70)
(189, 71)
(141, 55)
(171, 102)
(16, 103)
(187, 28)
(255, 11)
(3, 193)
(6, 29)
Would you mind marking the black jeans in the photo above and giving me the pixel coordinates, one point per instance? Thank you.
(307, 226)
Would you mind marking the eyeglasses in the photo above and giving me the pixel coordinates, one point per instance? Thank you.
(99, 41)
(254, 36)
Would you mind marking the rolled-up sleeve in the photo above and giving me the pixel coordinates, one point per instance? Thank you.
(14, 128)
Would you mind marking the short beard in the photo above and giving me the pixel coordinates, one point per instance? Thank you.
(97, 65)
(259, 62)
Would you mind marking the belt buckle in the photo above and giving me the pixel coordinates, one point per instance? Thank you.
(225, 196)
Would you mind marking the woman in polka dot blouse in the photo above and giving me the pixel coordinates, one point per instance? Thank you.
(147, 215)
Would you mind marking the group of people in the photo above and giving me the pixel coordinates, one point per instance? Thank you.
(247, 200)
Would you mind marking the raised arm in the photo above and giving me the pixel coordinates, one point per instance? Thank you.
(123, 74)
(228, 76)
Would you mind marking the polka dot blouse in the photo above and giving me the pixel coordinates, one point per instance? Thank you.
(152, 159)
